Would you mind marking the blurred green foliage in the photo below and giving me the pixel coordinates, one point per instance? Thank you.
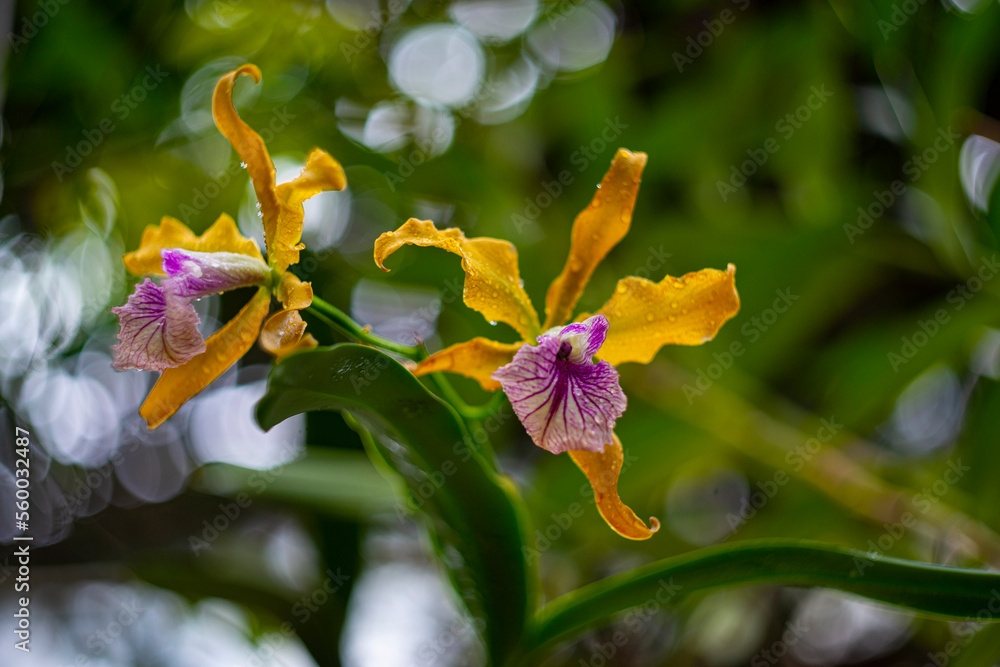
(858, 296)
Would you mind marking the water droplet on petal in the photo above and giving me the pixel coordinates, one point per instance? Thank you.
(673, 305)
(621, 288)
(493, 323)
(672, 318)
(649, 317)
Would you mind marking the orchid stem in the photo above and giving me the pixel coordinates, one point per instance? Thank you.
(344, 324)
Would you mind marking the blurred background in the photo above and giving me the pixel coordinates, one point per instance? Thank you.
(843, 155)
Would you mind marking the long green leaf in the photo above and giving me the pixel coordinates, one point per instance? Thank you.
(947, 592)
(474, 515)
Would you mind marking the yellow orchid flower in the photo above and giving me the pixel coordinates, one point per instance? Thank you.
(566, 400)
(159, 326)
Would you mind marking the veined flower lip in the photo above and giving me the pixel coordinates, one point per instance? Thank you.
(159, 329)
(565, 400)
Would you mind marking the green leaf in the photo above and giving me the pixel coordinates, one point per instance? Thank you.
(473, 513)
(951, 593)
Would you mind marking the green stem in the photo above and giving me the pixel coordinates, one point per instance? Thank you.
(343, 323)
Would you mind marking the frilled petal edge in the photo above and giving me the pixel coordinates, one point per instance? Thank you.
(564, 399)
(159, 330)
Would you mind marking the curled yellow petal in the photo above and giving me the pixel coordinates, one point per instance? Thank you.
(321, 173)
(644, 316)
(477, 358)
(178, 385)
(293, 293)
(602, 470)
(284, 333)
(248, 145)
(222, 236)
(492, 281)
(595, 232)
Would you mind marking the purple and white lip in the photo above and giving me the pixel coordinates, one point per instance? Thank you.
(159, 326)
(194, 275)
(159, 330)
(563, 397)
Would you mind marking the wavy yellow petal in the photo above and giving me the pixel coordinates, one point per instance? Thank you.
(492, 281)
(248, 145)
(478, 359)
(293, 293)
(321, 173)
(178, 385)
(284, 333)
(222, 236)
(644, 316)
(595, 232)
(602, 470)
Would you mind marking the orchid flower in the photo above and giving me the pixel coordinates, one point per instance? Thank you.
(567, 400)
(159, 325)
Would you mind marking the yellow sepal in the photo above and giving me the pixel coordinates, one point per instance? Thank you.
(596, 231)
(178, 385)
(644, 316)
(222, 236)
(477, 359)
(492, 280)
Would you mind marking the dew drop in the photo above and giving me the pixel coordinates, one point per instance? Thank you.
(493, 323)
(684, 311)
(673, 305)
(649, 317)
(621, 288)
(672, 318)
